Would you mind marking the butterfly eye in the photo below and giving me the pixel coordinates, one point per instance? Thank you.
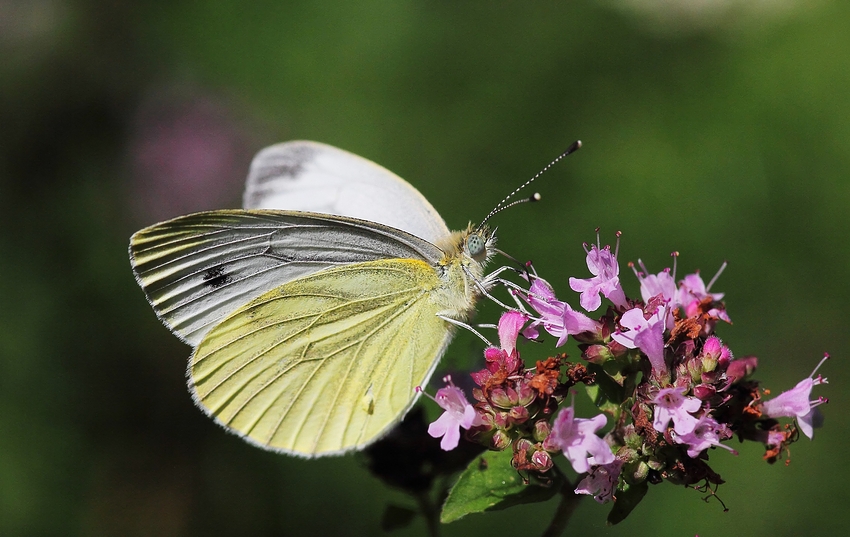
(476, 246)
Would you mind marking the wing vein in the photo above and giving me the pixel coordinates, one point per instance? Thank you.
(391, 318)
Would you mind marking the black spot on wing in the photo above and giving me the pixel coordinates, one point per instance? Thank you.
(215, 277)
(287, 166)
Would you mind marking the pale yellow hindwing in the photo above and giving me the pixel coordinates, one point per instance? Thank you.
(325, 363)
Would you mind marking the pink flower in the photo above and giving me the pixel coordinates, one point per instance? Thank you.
(601, 482)
(741, 368)
(577, 439)
(557, 317)
(706, 433)
(506, 358)
(657, 284)
(671, 403)
(692, 291)
(606, 280)
(692, 288)
(458, 413)
(646, 333)
(688, 296)
(510, 325)
(795, 403)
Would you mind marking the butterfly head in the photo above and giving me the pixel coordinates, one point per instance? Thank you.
(479, 243)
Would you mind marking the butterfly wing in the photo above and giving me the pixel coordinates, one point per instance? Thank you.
(197, 269)
(326, 363)
(309, 176)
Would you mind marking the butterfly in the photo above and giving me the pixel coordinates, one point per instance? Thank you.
(315, 311)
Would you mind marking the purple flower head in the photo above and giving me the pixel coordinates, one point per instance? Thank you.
(652, 285)
(506, 358)
(707, 432)
(795, 403)
(601, 482)
(557, 317)
(658, 289)
(606, 280)
(671, 404)
(692, 291)
(576, 437)
(458, 413)
(645, 333)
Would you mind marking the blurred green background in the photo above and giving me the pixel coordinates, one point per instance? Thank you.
(716, 128)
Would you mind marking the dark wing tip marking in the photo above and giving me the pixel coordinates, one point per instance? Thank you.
(288, 165)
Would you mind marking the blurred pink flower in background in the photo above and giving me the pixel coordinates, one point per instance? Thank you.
(186, 153)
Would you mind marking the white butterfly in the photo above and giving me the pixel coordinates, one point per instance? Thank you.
(316, 311)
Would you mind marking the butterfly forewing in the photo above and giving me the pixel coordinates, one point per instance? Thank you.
(326, 363)
(310, 176)
(198, 269)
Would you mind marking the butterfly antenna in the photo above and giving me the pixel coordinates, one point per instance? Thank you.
(575, 146)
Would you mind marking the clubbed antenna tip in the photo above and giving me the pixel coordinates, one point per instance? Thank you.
(575, 146)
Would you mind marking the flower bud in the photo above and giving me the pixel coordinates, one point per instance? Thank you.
(541, 430)
(524, 444)
(725, 357)
(492, 354)
(519, 414)
(500, 398)
(709, 362)
(616, 349)
(637, 472)
(694, 369)
(525, 394)
(631, 438)
(711, 348)
(712, 377)
(655, 464)
(627, 454)
(738, 369)
(500, 440)
(597, 354)
(704, 391)
(501, 420)
(542, 460)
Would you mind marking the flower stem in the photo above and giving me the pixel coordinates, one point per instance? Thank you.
(569, 502)
(430, 513)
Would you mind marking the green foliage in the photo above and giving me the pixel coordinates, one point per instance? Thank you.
(606, 393)
(490, 483)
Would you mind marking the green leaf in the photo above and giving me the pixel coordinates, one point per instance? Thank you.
(626, 501)
(490, 483)
(396, 517)
(600, 400)
(606, 394)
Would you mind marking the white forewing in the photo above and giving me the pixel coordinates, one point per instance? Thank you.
(310, 176)
(197, 269)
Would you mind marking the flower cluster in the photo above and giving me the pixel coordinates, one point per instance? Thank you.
(654, 366)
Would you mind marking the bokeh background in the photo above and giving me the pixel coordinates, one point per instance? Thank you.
(717, 128)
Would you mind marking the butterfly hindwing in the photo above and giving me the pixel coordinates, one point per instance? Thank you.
(326, 363)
